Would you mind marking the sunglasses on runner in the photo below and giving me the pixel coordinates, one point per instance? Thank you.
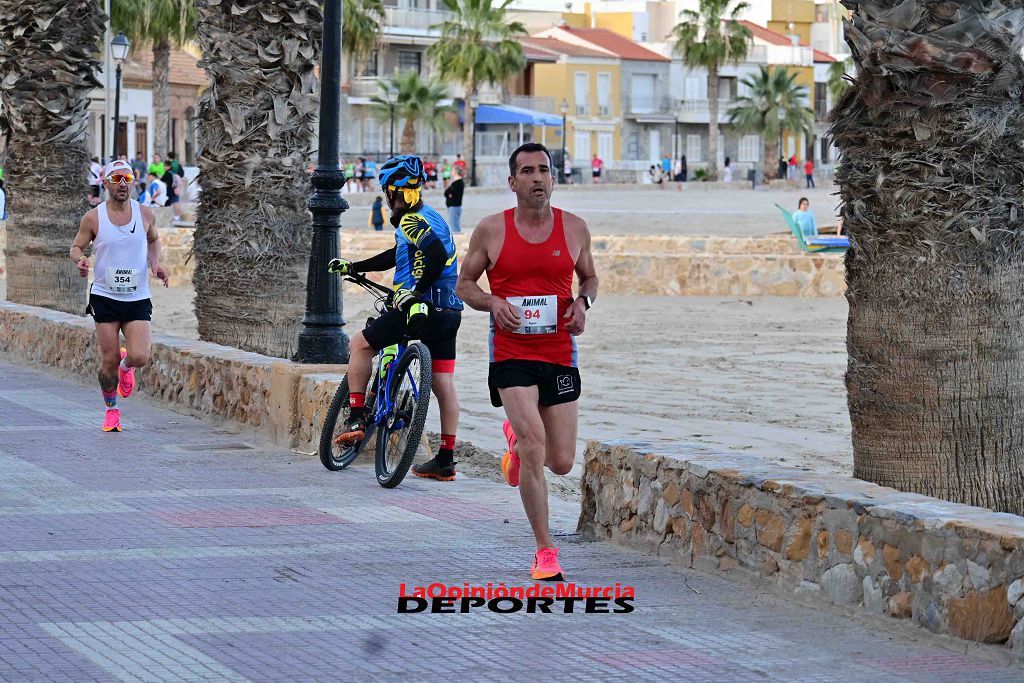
(121, 178)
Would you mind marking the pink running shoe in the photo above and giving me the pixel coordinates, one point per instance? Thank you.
(510, 461)
(125, 380)
(545, 566)
(112, 423)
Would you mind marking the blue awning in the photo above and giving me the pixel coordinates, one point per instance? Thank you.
(507, 114)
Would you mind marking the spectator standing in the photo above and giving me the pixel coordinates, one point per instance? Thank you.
(596, 166)
(727, 171)
(170, 182)
(809, 173)
(792, 167)
(446, 173)
(430, 168)
(666, 166)
(782, 168)
(369, 173)
(378, 214)
(453, 200)
(95, 177)
(683, 170)
(567, 168)
(157, 167)
(459, 165)
(139, 167)
(350, 174)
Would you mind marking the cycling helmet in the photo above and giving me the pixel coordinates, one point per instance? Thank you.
(404, 171)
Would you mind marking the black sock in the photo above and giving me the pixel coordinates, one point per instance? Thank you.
(444, 457)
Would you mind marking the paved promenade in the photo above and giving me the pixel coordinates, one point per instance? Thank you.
(178, 550)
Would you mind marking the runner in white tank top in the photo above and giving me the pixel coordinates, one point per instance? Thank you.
(127, 247)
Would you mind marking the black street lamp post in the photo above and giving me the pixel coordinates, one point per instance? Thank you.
(472, 104)
(119, 48)
(565, 110)
(322, 339)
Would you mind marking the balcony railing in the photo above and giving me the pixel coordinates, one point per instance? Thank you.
(582, 110)
(419, 19)
(704, 106)
(649, 105)
(364, 87)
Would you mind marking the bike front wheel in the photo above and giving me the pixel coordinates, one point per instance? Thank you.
(399, 434)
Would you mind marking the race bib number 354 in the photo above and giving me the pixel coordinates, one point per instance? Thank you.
(537, 314)
(123, 280)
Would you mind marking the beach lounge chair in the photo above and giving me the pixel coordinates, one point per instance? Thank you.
(815, 245)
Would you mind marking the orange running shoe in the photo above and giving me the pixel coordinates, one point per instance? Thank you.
(545, 566)
(125, 380)
(510, 461)
(112, 422)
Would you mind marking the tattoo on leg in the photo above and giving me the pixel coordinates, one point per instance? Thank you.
(108, 383)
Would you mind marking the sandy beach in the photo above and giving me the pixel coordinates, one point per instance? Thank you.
(758, 375)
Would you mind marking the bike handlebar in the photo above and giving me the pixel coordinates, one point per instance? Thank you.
(386, 293)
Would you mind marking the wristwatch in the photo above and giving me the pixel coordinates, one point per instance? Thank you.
(587, 302)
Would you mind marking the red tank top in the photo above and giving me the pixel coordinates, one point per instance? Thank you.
(541, 274)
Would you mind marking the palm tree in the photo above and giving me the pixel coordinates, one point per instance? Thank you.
(711, 38)
(415, 99)
(931, 189)
(161, 24)
(775, 104)
(837, 77)
(256, 126)
(477, 46)
(360, 29)
(49, 56)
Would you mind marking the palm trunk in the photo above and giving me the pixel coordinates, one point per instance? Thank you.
(409, 136)
(47, 69)
(936, 323)
(468, 132)
(713, 123)
(771, 157)
(256, 125)
(161, 98)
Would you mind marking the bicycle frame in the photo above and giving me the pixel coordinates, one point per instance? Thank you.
(385, 402)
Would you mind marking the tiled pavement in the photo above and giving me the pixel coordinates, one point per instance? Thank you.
(177, 550)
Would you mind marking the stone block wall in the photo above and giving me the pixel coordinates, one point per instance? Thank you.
(635, 264)
(949, 568)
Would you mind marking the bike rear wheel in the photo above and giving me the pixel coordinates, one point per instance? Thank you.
(334, 456)
(400, 432)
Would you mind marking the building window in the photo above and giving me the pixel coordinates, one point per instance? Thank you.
(693, 148)
(605, 148)
(371, 135)
(821, 14)
(369, 66)
(409, 60)
(604, 94)
(750, 148)
(633, 146)
(820, 100)
(581, 92)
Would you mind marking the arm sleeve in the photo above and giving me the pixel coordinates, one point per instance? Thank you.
(382, 261)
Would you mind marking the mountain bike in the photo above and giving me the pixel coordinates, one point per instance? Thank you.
(397, 400)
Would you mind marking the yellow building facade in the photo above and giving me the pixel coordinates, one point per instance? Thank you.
(798, 13)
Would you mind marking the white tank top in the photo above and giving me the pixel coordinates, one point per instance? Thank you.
(122, 257)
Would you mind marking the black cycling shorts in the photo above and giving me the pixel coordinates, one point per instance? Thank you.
(557, 383)
(103, 309)
(438, 333)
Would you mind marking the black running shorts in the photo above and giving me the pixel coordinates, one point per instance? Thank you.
(106, 310)
(557, 383)
(438, 333)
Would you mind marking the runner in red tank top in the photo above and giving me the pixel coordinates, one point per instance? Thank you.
(530, 254)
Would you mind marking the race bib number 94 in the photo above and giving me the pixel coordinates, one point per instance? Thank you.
(123, 280)
(537, 314)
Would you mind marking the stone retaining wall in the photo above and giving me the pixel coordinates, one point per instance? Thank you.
(950, 568)
(656, 265)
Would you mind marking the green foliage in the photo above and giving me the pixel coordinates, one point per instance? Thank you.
(477, 45)
(415, 99)
(712, 35)
(149, 22)
(775, 103)
(837, 85)
(700, 174)
(360, 27)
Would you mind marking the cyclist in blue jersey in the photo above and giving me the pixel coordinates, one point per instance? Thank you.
(426, 270)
